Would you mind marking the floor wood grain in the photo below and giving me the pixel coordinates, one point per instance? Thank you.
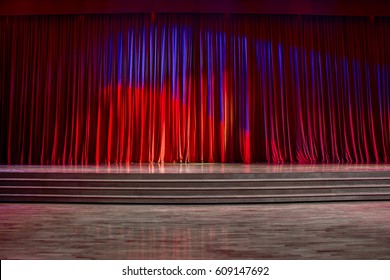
(197, 168)
(353, 230)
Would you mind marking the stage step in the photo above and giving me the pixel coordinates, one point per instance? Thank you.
(193, 187)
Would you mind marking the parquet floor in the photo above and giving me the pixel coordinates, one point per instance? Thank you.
(354, 230)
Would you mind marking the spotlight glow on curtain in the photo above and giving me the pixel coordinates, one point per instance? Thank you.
(194, 88)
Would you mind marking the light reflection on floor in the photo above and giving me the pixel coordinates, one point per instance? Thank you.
(197, 168)
(358, 230)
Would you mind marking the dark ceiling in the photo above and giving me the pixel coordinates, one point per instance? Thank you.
(304, 7)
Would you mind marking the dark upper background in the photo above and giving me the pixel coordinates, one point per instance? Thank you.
(304, 7)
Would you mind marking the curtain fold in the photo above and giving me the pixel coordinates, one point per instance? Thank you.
(82, 89)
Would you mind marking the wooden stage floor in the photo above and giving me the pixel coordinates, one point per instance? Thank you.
(195, 168)
(347, 230)
(201, 211)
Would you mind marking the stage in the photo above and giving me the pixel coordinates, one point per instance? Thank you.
(194, 183)
(195, 211)
(87, 94)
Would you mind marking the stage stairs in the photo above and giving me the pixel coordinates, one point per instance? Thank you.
(150, 188)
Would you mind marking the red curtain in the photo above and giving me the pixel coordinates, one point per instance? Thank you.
(194, 88)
